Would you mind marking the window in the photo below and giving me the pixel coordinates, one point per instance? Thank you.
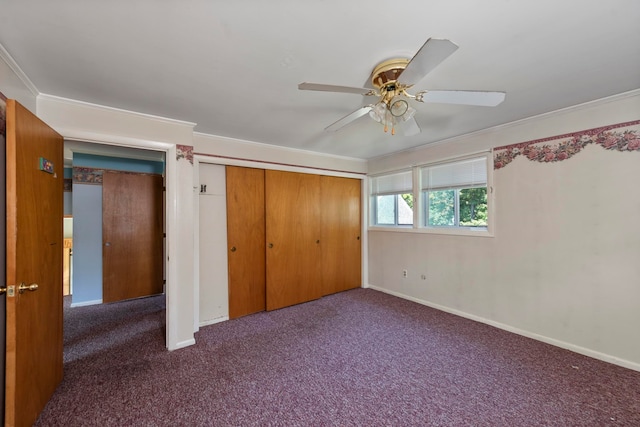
(455, 194)
(392, 199)
(449, 197)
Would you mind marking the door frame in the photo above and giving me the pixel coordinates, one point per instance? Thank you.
(266, 165)
(171, 199)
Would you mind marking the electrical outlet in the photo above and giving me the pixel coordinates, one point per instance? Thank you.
(404, 273)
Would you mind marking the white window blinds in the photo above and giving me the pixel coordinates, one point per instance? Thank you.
(462, 174)
(395, 183)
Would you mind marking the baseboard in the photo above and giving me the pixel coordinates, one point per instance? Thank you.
(85, 303)
(214, 321)
(183, 344)
(562, 344)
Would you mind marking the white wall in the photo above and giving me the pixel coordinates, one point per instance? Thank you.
(563, 265)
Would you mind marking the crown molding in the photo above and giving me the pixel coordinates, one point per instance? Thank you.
(276, 147)
(77, 103)
(6, 57)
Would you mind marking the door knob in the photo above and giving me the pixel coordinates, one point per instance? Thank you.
(233, 248)
(32, 287)
(3, 290)
(107, 244)
(270, 245)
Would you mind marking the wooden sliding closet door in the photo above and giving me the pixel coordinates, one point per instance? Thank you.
(293, 238)
(246, 240)
(341, 246)
(132, 222)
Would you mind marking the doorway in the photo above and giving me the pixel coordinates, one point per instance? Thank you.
(86, 165)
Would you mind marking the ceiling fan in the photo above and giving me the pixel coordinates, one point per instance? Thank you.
(392, 78)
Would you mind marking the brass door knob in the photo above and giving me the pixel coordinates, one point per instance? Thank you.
(32, 287)
(233, 248)
(270, 245)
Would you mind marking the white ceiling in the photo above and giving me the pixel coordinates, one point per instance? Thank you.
(233, 67)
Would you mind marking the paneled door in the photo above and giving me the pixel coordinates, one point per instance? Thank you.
(132, 223)
(292, 203)
(246, 240)
(341, 228)
(34, 177)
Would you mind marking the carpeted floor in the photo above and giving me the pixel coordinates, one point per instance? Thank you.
(358, 358)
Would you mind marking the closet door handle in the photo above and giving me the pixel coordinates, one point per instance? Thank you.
(270, 245)
(233, 248)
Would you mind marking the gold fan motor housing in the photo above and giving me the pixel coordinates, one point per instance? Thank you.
(388, 71)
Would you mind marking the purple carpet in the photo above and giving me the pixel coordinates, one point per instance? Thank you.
(358, 358)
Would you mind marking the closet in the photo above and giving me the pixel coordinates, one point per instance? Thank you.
(340, 234)
(292, 238)
(245, 237)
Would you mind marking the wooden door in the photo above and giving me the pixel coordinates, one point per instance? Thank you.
(132, 235)
(33, 258)
(341, 228)
(292, 203)
(246, 240)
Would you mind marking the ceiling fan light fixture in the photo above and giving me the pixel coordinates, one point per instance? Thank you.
(398, 107)
(408, 115)
(390, 120)
(391, 80)
(378, 112)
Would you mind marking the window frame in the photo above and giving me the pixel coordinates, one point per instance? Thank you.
(456, 209)
(393, 191)
(420, 205)
(396, 211)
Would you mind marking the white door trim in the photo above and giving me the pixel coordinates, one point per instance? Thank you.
(173, 342)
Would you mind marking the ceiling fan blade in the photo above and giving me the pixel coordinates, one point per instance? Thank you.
(430, 55)
(348, 118)
(410, 127)
(465, 97)
(333, 88)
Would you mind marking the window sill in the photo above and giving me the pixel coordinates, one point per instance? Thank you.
(452, 231)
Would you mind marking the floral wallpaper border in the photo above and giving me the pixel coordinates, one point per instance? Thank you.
(82, 175)
(184, 152)
(620, 137)
(93, 176)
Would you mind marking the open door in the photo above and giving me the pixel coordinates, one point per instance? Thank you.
(34, 184)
